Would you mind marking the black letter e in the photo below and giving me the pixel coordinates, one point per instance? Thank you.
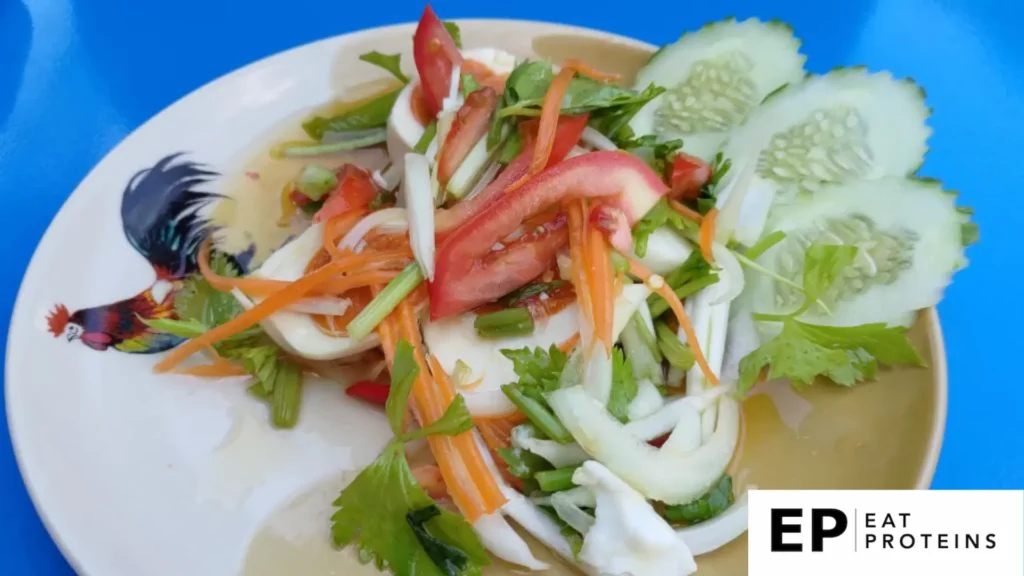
(779, 528)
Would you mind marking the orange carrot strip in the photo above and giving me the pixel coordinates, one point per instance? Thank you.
(665, 291)
(686, 211)
(467, 446)
(337, 227)
(549, 111)
(601, 284)
(707, 235)
(586, 70)
(569, 344)
(577, 240)
(222, 369)
(274, 302)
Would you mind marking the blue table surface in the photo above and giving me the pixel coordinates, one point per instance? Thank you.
(76, 77)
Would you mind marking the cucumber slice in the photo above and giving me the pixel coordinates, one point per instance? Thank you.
(714, 78)
(843, 126)
(909, 234)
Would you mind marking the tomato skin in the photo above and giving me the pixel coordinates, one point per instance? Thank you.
(568, 133)
(355, 190)
(436, 56)
(471, 123)
(463, 278)
(686, 175)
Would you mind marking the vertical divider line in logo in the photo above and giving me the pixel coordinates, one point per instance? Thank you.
(854, 529)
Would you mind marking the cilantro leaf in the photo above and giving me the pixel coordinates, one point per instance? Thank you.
(373, 514)
(716, 501)
(538, 370)
(198, 300)
(660, 215)
(822, 265)
(657, 154)
(624, 387)
(182, 328)
(455, 420)
(389, 62)
(455, 33)
(719, 168)
(404, 371)
(388, 516)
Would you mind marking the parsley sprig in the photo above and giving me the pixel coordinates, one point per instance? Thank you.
(388, 516)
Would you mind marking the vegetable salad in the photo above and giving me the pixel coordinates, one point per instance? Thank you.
(572, 284)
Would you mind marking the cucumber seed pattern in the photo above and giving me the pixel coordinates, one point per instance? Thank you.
(717, 95)
(829, 146)
(883, 256)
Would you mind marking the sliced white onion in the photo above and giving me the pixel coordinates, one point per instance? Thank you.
(323, 305)
(495, 533)
(576, 151)
(671, 477)
(538, 524)
(571, 514)
(687, 434)
(597, 374)
(486, 178)
(559, 455)
(741, 340)
(731, 198)
(593, 137)
(730, 277)
(647, 401)
(391, 177)
(580, 496)
(394, 218)
(419, 200)
(664, 420)
(454, 100)
(488, 403)
(718, 531)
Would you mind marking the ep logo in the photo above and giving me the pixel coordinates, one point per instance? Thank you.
(787, 527)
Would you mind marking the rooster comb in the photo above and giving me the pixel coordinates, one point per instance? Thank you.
(58, 319)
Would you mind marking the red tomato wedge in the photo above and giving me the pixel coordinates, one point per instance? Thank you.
(469, 272)
(436, 56)
(570, 128)
(355, 190)
(686, 174)
(470, 124)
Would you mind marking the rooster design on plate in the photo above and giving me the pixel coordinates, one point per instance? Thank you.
(163, 212)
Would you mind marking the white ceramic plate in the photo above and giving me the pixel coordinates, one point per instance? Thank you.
(135, 473)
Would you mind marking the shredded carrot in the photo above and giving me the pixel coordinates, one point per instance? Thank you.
(577, 241)
(665, 291)
(467, 446)
(222, 369)
(601, 280)
(337, 227)
(569, 344)
(586, 70)
(686, 211)
(549, 111)
(497, 431)
(293, 292)
(707, 235)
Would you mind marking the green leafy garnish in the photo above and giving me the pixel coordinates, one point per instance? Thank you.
(719, 168)
(613, 122)
(372, 114)
(390, 62)
(513, 146)
(455, 33)
(200, 307)
(716, 501)
(660, 215)
(623, 386)
(676, 352)
(693, 275)
(844, 354)
(556, 480)
(656, 153)
(409, 534)
(539, 370)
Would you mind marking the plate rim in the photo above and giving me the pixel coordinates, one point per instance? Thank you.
(936, 338)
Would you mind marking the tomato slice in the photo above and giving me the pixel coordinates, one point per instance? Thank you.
(469, 272)
(436, 56)
(470, 124)
(355, 190)
(686, 175)
(568, 133)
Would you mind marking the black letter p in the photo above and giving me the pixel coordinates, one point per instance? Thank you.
(818, 531)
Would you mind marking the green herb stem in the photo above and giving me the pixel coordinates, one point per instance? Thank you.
(677, 353)
(317, 149)
(287, 395)
(556, 480)
(539, 416)
(764, 244)
(511, 322)
(428, 136)
(660, 306)
(385, 302)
